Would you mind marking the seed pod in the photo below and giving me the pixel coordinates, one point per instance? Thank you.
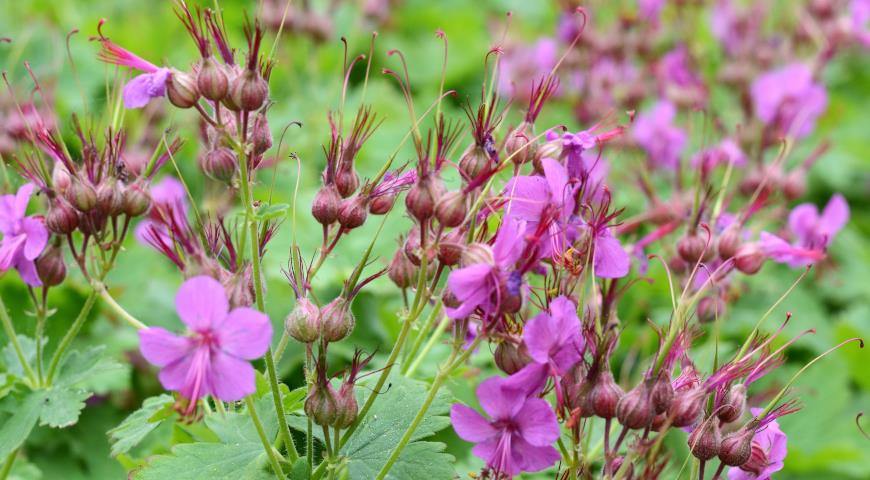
(261, 134)
(110, 198)
(303, 322)
(347, 181)
(414, 250)
(182, 90)
(691, 248)
(321, 405)
(705, 440)
(794, 186)
(662, 394)
(710, 308)
(686, 407)
(50, 266)
(82, 195)
(136, 200)
(736, 448)
(324, 207)
(749, 259)
(605, 395)
(346, 407)
(401, 271)
(219, 164)
(422, 197)
(729, 242)
(212, 80)
(451, 246)
(635, 409)
(733, 405)
(511, 356)
(336, 320)
(382, 204)
(517, 145)
(352, 213)
(477, 253)
(451, 209)
(473, 162)
(60, 178)
(62, 217)
(249, 90)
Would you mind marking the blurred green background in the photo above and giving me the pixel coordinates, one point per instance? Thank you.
(306, 83)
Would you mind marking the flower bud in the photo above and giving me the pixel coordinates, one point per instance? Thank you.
(422, 197)
(473, 162)
(321, 405)
(261, 134)
(635, 409)
(182, 90)
(347, 181)
(794, 186)
(691, 248)
(50, 266)
(401, 271)
(413, 248)
(219, 164)
(382, 204)
(518, 147)
(451, 246)
(82, 195)
(733, 404)
(511, 356)
(729, 242)
(451, 209)
(62, 217)
(616, 464)
(303, 322)
(704, 441)
(60, 178)
(110, 198)
(212, 80)
(686, 407)
(710, 308)
(352, 213)
(749, 259)
(249, 90)
(605, 395)
(346, 407)
(136, 200)
(324, 207)
(662, 394)
(477, 253)
(336, 321)
(736, 448)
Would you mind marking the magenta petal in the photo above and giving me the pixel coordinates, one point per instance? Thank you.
(802, 221)
(246, 333)
(9, 247)
(201, 302)
(22, 198)
(492, 452)
(530, 380)
(499, 402)
(141, 89)
(161, 347)
(470, 425)
(229, 378)
(178, 374)
(537, 423)
(526, 197)
(27, 269)
(470, 286)
(540, 337)
(557, 179)
(530, 458)
(37, 237)
(509, 244)
(835, 215)
(609, 259)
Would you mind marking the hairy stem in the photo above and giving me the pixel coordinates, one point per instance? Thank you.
(270, 452)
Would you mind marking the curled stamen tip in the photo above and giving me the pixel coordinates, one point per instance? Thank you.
(440, 33)
(392, 52)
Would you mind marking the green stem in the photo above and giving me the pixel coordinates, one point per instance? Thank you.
(9, 329)
(270, 452)
(70, 335)
(7, 465)
(124, 314)
(431, 343)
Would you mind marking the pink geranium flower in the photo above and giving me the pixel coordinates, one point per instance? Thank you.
(24, 238)
(812, 233)
(655, 132)
(519, 435)
(141, 88)
(213, 358)
(789, 99)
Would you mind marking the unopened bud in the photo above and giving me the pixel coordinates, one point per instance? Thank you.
(50, 266)
(729, 242)
(347, 181)
(321, 405)
(261, 134)
(347, 409)
(710, 308)
(219, 164)
(686, 407)
(382, 204)
(136, 200)
(60, 178)
(110, 198)
(249, 90)
(736, 448)
(352, 213)
(303, 322)
(401, 271)
(605, 395)
(449, 299)
(794, 185)
(662, 394)
(62, 218)
(422, 197)
(451, 209)
(82, 195)
(324, 207)
(749, 259)
(414, 249)
(517, 145)
(212, 80)
(733, 404)
(705, 440)
(691, 248)
(635, 409)
(473, 162)
(451, 246)
(511, 356)
(182, 90)
(336, 321)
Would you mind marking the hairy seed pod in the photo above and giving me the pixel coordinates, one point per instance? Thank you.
(82, 195)
(219, 164)
(749, 259)
(518, 146)
(736, 448)
(110, 198)
(733, 405)
(62, 218)
(422, 198)
(635, 409)
(473, 162)
(706, 439)
(249, 90)
(686, 407)
(321, 406)
(352, 213)
(50, 266)
(476, 253)
(691, 248)
(303, 322)
(60, 178)
(261, 134)
(401, 271)
(382, 204)
(211, 80)
(336, 320)
(605, 395)
(181, 89)
(511, 356)
(451, 209)
(347, 409)
(729, 242)
(136, 200)
(324, 207)
(662, 394)
(451, 246)
(347, 181)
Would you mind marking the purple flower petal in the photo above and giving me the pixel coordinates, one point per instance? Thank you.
(142, 88)
(537, 423)
(229, 378)
(470, 425)
(526, 197)
(9, 249)
(610, 259)
(27, 270)
(161, 347)
(834, 216)
(246, 333)
(201, 302)
(471, 287)
(530, 458)
(499, 402)
(37, 237)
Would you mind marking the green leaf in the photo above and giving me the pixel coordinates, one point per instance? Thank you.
(17, 419)
(62, 406)
(10, 358)
(300, 469)
(80, 365)
(139, 424)
(392, 413)
(269, 212)
(294, 400)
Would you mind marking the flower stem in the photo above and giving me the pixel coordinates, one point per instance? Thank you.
(431, 343)
(123, 313)
(270, 452)
(9, 329)
(70, 336)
